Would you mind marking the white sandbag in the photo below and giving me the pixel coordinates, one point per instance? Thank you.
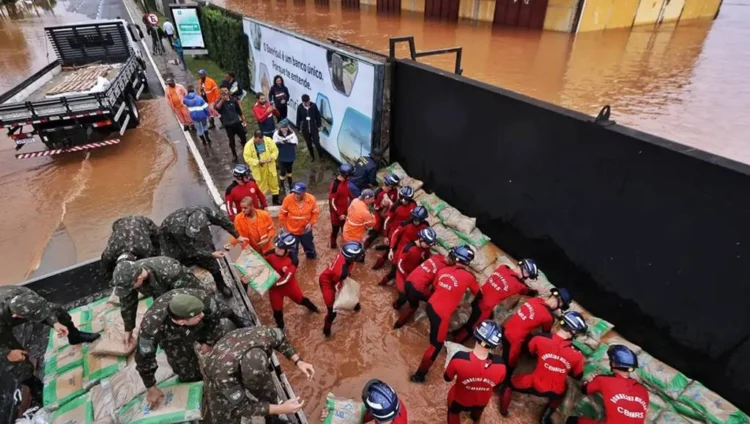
(348, 297)
(451, 350)
(343, 411)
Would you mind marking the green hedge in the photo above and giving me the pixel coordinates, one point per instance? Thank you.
(226, 42)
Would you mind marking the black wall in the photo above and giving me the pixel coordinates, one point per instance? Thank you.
(650, 235)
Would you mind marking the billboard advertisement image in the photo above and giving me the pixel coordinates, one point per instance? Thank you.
(188, 27)
(340, 83)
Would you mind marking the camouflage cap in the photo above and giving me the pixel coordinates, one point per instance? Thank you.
(196, 222)
(124, 277)
(254, 367)
(185, 306)
(29, 305)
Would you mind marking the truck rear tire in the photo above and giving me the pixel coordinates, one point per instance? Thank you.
(135, 114)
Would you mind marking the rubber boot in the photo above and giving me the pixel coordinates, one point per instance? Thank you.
(36, 388)
(278, 316)
(381, 261)
(240, 321)
(547, 415)
(307, 303)
(275, 200)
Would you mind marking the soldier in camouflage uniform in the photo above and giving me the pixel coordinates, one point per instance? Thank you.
(176, 321)
(186, 237)
(241, 361)
(19, 305)
(133, 237)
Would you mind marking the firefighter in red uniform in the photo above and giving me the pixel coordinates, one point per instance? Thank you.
(385, 196)
(331, 278)
(406, 232)
(625, 400)
(502, 284)
(476, 373)
(556, 359)
(418, 286)
(451, 284)
(409, 258)
(382, 405)
(287, 285)
(398, 213)
(339, 197)
(243, 186)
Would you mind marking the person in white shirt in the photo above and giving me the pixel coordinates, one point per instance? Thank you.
(169, 31)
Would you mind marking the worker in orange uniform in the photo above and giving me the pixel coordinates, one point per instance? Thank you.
(409, 258)
(299, 212)
(451, 284)
(210, 92)
(339, 197)
(476, 373)
(398, 213)
(287, 285)
(385, 196)
(556, 359)
(254, 224)
(359, 218)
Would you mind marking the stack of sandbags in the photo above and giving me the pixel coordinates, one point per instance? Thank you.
(253, 267)
(182, 402)
(343, 411)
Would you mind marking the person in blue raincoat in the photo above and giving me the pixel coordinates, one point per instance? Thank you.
(199, 113)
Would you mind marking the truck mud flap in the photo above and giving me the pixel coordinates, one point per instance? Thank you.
(81, 148)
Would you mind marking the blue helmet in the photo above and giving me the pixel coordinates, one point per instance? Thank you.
(622, 358)
(419, 213)
(380, 400)
(299, 188)
(529, 265)
(573, 322)
(285, 241)
(488, 334)
(462, 254)
(240, 170)
(353, 250)
(392, 180)
(346, 170)
(427, 235)
(406, 193)
(563, 296)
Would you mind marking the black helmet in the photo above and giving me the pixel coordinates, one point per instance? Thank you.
(462, 254)
(406, 193)
(285, 241)
(380, 400)
(353, 250)
(241, 170)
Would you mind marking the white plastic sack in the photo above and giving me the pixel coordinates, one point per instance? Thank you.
(348, 297)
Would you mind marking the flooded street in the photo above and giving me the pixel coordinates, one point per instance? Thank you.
(685, 82)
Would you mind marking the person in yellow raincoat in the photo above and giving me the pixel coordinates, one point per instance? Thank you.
(174, 94)
(261, 156)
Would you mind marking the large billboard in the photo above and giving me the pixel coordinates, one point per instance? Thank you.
(340, 83)
(188, 26)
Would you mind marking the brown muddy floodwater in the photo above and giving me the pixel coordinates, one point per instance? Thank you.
(686, 82)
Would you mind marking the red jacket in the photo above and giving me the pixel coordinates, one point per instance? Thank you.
(625, 400)
(398, 213)
(336, 272)
(401, 418)
(407, 260)
(339, 197)
(530, 316)
(236, 192)
(556, 358)
(423, 276)
(451, 284)
(284, 266)
(405, 233)
(502, 284)
(475, 378)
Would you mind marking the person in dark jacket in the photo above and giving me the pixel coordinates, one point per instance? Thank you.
(309, 122)
(198, 113)
(365, 170)
(286, 141)
(279, 96)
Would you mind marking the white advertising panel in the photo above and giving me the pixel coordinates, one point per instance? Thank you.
(341, 84)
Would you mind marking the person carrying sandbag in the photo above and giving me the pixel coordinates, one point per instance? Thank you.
(151, 277)
(502, 284)
(287, 285)
(409, 258)
(476, 374)
(385, 196)
(556, 359)
(339, 197)
(332, 278)
(451, 284)
(398, 213)
(418, 285)
(241, 362)
(626, 401)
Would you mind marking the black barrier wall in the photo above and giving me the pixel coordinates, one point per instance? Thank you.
(650, 235)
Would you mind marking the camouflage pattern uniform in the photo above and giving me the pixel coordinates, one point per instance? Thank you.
(238, 362)
(196, 249)
(158, 329)
(164, 274)
(134, 236)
